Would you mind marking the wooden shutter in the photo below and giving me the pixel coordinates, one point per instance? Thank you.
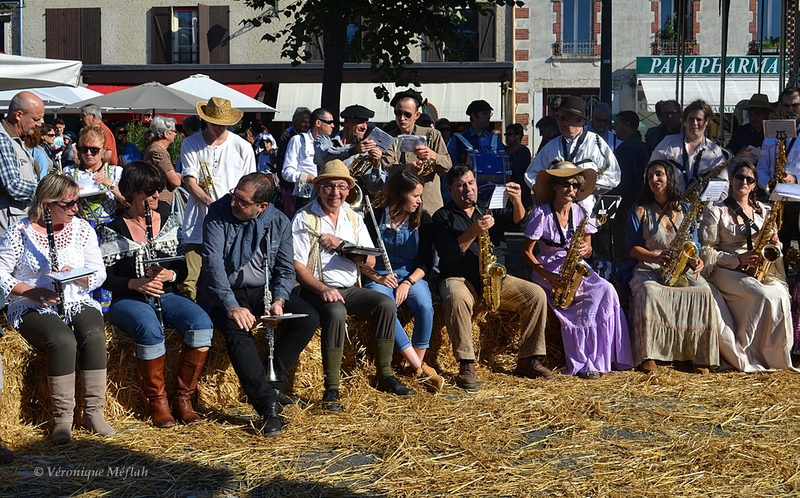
(218, 36)
(203, 25)
(91, 43)
(74, 34)
(486, 37)
(161, 35)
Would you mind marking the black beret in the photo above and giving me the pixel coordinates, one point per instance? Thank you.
(357, 112)
(407, 94)
(478, 106)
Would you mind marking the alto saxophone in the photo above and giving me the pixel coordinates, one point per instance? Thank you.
(682, 248)
(574, 269)
(769, 253)
(492, 272)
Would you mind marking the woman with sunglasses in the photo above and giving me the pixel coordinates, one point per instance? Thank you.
(400, 226)
(758, 313)
(136, 288)
(63, 324)
(593, 327)
(678, 323)
(92, 175)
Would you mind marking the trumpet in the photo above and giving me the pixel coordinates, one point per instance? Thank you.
(207, 182)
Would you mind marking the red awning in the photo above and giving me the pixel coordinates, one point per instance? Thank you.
(104, 89)
(250, 89)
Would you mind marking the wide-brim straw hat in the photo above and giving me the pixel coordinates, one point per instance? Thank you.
(337, 170)
(565, 169)
(219, 111)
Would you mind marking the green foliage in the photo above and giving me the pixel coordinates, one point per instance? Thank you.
(136, 135)
(388, 30)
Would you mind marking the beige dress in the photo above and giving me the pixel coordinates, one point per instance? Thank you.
(758, 335)
(669, 323)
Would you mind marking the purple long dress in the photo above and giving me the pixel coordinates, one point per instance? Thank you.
(593, 327)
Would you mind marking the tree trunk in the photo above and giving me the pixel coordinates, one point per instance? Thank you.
(334, 43)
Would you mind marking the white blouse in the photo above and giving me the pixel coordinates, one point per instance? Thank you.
(24, 257)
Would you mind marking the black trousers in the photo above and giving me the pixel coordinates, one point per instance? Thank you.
(292, 336)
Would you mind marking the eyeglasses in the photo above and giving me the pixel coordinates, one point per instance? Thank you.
(49, 134)
(238, 200)
(405, 114)
(341, 187)
(66, 205)
(744, 178)
(150, 192)
(570, 185)
(91, 150)
(327, 122)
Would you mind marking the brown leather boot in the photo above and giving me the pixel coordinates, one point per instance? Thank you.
(186, 384)
(152, 372)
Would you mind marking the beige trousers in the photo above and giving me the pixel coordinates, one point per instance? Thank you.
(194, 261)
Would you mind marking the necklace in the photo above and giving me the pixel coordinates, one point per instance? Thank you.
(136, 221)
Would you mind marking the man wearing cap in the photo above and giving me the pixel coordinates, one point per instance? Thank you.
(752, 134)
(456, 228)
(349, 142)
(299, 167)
(406, 106)
(669, 114)
(477, 136)
(244, 237)
(213, 162)
(581, 147)
(600, 123)
(19, 173)
(323, 230)
(265, 152)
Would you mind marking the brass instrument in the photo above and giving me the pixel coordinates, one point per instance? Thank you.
(207, 182)
(362, 162)
(355, 198)
(574, 269)
(53, 254)
(151, 255)
(492, 272)
(682, 248)
(429, 165)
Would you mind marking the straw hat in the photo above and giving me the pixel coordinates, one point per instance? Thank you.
(564, 169)
(335, 169)
(218, 111)
(759, 101)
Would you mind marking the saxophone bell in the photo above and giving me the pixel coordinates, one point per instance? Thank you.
(690, 252)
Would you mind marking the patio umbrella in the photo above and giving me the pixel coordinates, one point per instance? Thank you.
(205, 88)
(53, 97)
(150, 97)
(18, 72)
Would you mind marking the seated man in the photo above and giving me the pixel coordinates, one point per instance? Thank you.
(247, 244)
(328, 280)
(456, 228)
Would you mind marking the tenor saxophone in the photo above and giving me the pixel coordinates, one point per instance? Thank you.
(682, 249)
(574, 269)
(492, 272)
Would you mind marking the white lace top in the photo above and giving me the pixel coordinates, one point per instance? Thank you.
(24, 258)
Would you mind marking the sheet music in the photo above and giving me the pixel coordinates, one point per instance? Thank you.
(787, 191)
(407, 143)
(773, 126)
(70, 275)
(382, 139)
(713, 191)
(499, 197)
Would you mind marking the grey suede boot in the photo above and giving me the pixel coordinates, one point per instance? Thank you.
(62, 390)
(94, 399)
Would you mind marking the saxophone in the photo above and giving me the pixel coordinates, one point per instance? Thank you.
(492, 272)
(682, 248)
(770, 253)
(574, 269)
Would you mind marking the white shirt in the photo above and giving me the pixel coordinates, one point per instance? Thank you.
(673, 148)
(766, 162)
(299, 160)
(226, 163)
(337, 271)
(591, 152)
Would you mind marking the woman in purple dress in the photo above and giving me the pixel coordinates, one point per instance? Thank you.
(593, 326)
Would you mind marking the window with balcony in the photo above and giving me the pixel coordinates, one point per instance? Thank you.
(576, 29)
(676, 16)
(770, 19)
(190, 35)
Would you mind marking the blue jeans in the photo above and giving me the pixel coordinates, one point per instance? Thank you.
(419, 300)
(139, 321)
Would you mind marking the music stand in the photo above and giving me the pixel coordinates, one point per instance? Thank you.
(606, 209)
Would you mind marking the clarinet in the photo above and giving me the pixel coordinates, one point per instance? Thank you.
(54, 266)
(267, 306)
(151, 254)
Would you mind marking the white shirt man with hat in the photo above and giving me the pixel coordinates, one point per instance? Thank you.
(327, 275)
(213, 162)
(579, 146)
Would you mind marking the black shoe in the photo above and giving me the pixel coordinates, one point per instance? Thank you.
(285, 399)
(330, 401)
(271, 424)
(392, 385)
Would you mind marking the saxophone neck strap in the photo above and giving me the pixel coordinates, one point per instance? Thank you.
(748, 226)
(570, 229)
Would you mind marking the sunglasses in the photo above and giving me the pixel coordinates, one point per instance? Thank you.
(744, 178)
(405, 114)
(570, 185)
(151, 191)
(91, 150)
(327, 122)
(66, 205)
(49, 134)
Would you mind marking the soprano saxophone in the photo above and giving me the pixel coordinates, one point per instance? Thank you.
(574, 269)
(492, 272)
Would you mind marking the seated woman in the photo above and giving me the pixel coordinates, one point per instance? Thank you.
(64, 322)
(758, 312)
(140, 290)
(677, 323)
(593, 327)
(400, 225)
